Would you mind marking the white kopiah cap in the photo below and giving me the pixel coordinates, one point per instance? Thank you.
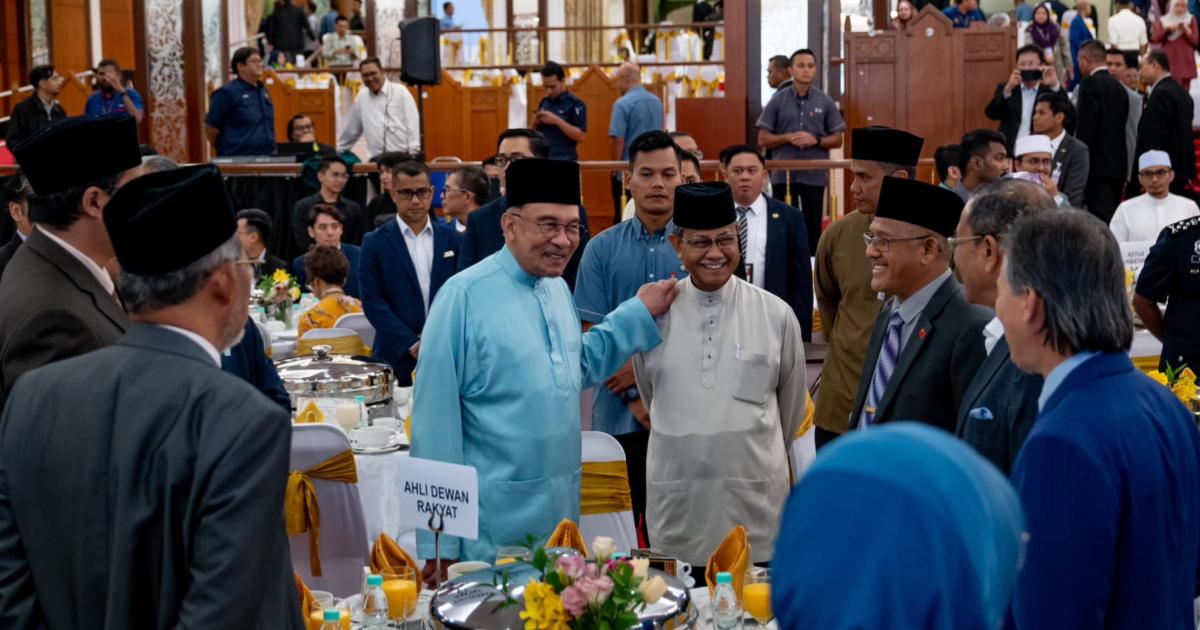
(1150, 159)
(1032, 144)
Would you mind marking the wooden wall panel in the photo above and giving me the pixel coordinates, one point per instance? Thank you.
(987, 59)
(462, 121)
(699, 117)
(116, 31)
(70, 36)
(13, 68)
(317, 104)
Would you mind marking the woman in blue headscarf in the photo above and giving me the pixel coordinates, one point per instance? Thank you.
(901, 526)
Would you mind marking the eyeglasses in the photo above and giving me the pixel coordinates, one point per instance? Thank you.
(1158, 172)
(308, 127)
(503, 160)
(448, 190)
(406, 194)
(549, 229)
(884, 244)
(956, 241)
(724, 241)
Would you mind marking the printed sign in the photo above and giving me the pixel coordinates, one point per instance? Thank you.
(448, 492)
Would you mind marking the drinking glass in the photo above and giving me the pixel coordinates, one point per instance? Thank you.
(400, 586)
(347, 416)
(756, 595)
(507, 555)
(316, 616)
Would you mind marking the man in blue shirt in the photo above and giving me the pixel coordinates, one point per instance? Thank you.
(447, 22)
(965, 12)
(1110, 474)
(561, 117)
(113, 97)
(241, 117)
(635, 113)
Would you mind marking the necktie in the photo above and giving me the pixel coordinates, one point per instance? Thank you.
(883, 367)
(743, 232)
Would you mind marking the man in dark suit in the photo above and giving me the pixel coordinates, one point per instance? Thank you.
(254, 231)
(1001, 404)
(333, 175)
(1103, 111)
(1012, 104)
(772, 239)
(325, 228)
(927, 340)
(59, 299)
(404, 263)
(287, 29)
(169, 474)
(484, 236)
(15, 198)
(1166, 124)
(1070, 160)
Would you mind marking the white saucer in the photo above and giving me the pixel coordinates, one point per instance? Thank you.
(397, 442)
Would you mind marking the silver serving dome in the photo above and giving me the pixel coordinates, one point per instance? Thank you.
(325, 375)
(471, 602)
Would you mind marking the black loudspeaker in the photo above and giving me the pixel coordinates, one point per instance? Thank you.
(420, 61)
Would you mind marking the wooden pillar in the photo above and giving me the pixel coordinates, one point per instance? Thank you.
(170, 37)
(742, 47)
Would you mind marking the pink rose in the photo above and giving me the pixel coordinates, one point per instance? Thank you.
(571, 566)
(574, 601)
(605, 585)
(596, 590)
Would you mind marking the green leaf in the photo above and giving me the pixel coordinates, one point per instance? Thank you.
(554, 579)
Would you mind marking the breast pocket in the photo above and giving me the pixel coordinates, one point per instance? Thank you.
(754, 379)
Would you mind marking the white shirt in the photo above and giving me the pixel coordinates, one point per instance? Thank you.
(96, 270)
(1127, 31)
(992, 334)
(204, 344)
(1028, 99)
(420, 250)
(756, 240)
(1143, 217)
(389, 119)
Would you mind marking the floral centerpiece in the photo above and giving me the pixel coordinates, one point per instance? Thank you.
(577, 593)
(1182, 382)
(279, 290)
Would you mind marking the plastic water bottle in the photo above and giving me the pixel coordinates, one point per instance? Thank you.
(333, 619)
(726, 609)
(374, 603)
(364, 419)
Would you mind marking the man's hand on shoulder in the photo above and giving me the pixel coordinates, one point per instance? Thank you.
(657, 296)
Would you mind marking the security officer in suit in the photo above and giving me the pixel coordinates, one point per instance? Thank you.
(1001, 403)
(163, 509)
(58, 298)
(1103, 112)
(927, 340)
(1171, 274)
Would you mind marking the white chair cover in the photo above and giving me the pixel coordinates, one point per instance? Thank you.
(329, 333)
(357, 322)
(602, 447)
(343, 542)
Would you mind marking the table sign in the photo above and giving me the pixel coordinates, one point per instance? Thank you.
(448, 492)
(1134, 253)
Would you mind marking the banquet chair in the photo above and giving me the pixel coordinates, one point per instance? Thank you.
(266, 336)
(342, 547)
(606, 508)
(342, 340)
(358, 323)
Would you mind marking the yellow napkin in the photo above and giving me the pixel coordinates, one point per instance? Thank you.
(567, 535)
(306, 597)
(386, 554)
(310, 414)
(733, 555)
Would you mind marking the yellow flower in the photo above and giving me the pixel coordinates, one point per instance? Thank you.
(543, 608)
(1188, 375)
(281, 276)
(1185, 391)
(295, 293)
(1159, 377)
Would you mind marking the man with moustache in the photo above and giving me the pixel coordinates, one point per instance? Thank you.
(113, 97)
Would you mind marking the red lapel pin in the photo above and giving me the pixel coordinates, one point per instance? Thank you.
(921, 333)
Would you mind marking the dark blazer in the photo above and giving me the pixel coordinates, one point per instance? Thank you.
(1166, 125)
(1008, 110)
(51, 308)
(1103, 109)
(1072, 162)
(999, 408)
(287, 27)
(935, 367)
(391, 296)
(353, 254)
(162, 466)
(789, 263)
(269, 265)
(9, 249)
(249, 361)
(484, 237)
(352, 221)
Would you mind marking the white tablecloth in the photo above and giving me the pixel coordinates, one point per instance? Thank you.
(1145, 345)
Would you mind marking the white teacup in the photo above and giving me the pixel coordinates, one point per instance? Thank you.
(459, 569)
(682, 569)
(390, 423)
(372, 436)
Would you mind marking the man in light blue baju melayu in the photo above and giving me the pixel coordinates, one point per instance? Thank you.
(503, 360)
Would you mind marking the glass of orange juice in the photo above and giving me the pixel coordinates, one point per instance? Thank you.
(756, 595)
(316, 616)
(400, 586)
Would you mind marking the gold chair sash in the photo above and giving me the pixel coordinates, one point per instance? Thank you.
(349, 344)
(1146, 364)
(301, 512)
(605, 488)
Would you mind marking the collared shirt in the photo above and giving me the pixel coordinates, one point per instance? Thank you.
(788, 112)
(1144, 217)
(447, 23)
(756, 241)
(1127, 31)
(962, 192)
(244, 118)
(1057, 141)
(389, 119)
(95, 269)
(1028, 99)
(333, 47)
(1150, 90)
(1059, 374)
(573, 111)
(963, 20)
(914, 305)
(992, 334)
(420, 250)
(204, 344)
(635, 113)
(101, 104)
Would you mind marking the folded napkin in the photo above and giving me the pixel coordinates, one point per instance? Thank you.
(733, 555)
(310, 414)
(567, 535)
(306, 597)
(386, 554)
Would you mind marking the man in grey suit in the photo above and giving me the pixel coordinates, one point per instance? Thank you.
(1118, 63)
(1001, 403)
(140, 485)
(1069, 166)
(926, 342)
(58, 299)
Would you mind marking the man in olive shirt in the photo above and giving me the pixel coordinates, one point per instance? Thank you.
(845, 300)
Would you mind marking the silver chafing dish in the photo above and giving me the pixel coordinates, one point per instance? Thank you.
(340, 376)
(471, 602)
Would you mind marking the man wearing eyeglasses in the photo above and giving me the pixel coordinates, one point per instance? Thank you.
(403, 264)
(1144, 217)
(333, 175)
(462, 195)
(927, 342)
(504, 362)
(726, 391)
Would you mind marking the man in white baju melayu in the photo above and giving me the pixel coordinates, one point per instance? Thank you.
(726, 392)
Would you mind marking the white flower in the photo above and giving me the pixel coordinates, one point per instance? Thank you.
(603, 548)
(641, 566)
(652, 589)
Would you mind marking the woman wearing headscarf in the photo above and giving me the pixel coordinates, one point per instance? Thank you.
(1083, 30)
(1044, 33)
(902, 526)
(1177, 33)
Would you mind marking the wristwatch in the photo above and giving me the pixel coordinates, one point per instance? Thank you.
(630, 395)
